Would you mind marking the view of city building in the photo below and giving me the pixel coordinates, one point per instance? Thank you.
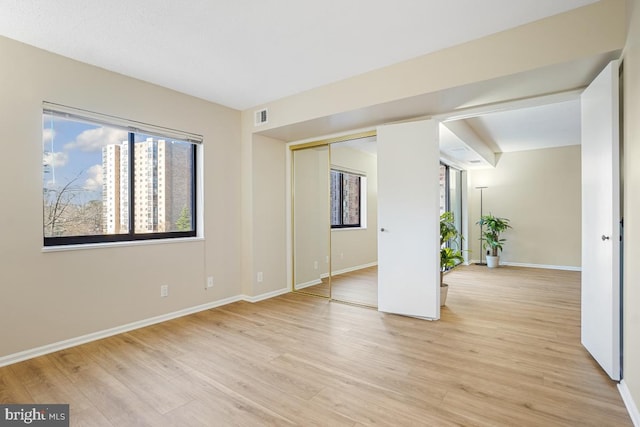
(162, 190)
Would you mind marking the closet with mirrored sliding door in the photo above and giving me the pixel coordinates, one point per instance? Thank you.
(334, 219)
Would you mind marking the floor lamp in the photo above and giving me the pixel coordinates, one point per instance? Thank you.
(481, 250)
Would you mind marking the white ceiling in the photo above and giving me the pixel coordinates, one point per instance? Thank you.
(536, 123)
(546, 126)
(242, 53)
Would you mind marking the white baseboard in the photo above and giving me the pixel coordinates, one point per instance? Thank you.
(632, 408)
(354, 268)
(72, 342)
(265, 296)
(524, 264)
(548, 267)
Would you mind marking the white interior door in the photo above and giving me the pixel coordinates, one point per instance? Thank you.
(601, 221)
(408, 218)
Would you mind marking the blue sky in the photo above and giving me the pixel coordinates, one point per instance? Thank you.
(74, 149)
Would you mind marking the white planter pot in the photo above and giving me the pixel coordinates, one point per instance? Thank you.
(493, 261)
(443, 294)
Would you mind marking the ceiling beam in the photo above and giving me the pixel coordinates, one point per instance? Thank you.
(471, 139)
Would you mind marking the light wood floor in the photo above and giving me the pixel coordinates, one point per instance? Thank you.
(506, 353)
(357, 287)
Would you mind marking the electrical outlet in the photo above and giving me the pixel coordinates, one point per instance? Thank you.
(259, 277)
(164, 291)
(209, 282)
(315, 265)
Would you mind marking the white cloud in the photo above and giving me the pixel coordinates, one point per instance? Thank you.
(95, 139)
(94, 180)
(57, 159)
(47, 135)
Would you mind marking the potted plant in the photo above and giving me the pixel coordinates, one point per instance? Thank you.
(450, 255)
(492, 228)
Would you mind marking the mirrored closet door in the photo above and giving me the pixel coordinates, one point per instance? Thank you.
(335, 220)
(354, 249)
(311, 229)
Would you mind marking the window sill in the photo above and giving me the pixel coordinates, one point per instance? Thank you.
(348, 229)
(64, 248)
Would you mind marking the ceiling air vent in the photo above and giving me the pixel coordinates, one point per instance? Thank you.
(475, 161)
(261, 117)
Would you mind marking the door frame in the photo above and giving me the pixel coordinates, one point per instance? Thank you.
(301, 145)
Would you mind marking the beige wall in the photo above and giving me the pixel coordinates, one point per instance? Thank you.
(539, 191)
(269, 207)
(53, 296)
(353, 248)
(631, 210)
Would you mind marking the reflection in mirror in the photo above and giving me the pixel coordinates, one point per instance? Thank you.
(354, 227)
(311, 221)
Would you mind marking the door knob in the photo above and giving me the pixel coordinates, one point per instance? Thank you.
(605, 237)
(383, 230)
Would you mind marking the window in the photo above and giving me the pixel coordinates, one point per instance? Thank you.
(105, 182)
(345, 199)
(450, 193)
(444, 186)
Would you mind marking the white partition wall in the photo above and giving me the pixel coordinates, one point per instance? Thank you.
(408, 218)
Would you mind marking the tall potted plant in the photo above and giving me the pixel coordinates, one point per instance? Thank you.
(492, 227)
(450, 255)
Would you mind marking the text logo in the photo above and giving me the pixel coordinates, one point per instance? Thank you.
(53, 415)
